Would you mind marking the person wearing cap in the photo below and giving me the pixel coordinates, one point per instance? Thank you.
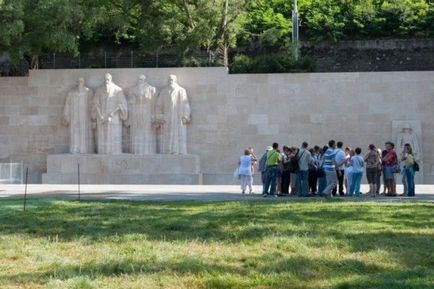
(273, 160)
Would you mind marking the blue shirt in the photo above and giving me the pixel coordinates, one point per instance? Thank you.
(329, 158)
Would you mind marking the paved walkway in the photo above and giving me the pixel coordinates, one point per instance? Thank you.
(424, 193)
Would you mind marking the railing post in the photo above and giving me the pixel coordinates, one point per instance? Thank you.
(25, 190)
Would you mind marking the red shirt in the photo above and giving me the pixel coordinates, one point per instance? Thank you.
(392, 158)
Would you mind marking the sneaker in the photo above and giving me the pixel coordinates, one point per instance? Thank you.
(243, 192)
(264, 195)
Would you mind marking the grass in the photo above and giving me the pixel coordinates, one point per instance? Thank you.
(299, 244)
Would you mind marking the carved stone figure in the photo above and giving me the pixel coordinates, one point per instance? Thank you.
(407, 136)
(174, 115)
(141, 106)
(76, 115)
(109, 109)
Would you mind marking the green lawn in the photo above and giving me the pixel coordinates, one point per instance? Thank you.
(296, 244)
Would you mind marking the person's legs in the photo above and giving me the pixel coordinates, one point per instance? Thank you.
(267, 182)
(311, 181)
(250, 183)
(393, 186)
(243, 180)
(352, 186)
(341, 182)
(263, 177)
(349, 179)
(410, 181)
(358, 180)
(305, 183)
(378, 182)
(299, 183)
(293, 184)
(335, 190)
(404, 181)
(273, 176)
(314, 183)
(302, 183)
(322, 184)
(286, 177)
(332, 180)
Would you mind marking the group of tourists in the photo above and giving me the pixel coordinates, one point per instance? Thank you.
(332, 170)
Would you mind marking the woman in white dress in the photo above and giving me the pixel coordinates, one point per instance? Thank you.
(245, 171)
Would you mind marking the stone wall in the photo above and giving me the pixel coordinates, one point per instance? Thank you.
(231, 112)
(372, 55)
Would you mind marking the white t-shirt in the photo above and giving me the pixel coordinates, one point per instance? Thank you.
(340, 158)
(357, 163)
(245, 166)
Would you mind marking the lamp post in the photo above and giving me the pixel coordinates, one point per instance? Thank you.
(295, 29)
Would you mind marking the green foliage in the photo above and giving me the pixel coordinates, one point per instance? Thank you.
(36, 26)
(353, 19)
(31, 27)
(277, 62)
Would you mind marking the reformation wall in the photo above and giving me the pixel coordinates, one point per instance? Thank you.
(228, 114)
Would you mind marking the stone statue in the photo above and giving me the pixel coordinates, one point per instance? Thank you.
(109, 109)
(407, 136)
(76, 115)
(141, 106)
(173, 116)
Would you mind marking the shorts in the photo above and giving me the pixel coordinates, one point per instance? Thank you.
(371, 175)
(388, 173)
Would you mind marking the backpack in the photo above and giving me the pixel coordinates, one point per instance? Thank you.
(263, 163)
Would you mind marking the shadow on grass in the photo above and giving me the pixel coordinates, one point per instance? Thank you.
(220, 221)
(290, 270)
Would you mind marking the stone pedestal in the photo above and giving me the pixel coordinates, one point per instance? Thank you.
(123, 169)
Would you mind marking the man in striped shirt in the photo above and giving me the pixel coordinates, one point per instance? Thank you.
(330, 169)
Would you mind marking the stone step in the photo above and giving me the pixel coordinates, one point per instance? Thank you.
(133, 179)
(124, 164)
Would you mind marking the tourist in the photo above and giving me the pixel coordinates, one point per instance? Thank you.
(245, 171)
(293, 170)
(279, 175)
(348, 171)
(409, 159)
(372, 160)
(322, 181)
(286, 174)
(329, 166)
(273, 160)
(380, 172)
(313, 170)
(403, 172)
(383, 167)
(254, 159)
(304, 159)
(263, 165)
(391, 166)
(340, 162)
(357, 162)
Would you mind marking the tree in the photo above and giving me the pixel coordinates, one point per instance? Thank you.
(43, 25)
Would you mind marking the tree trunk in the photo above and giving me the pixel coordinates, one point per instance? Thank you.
(225, 36)
(35, 62)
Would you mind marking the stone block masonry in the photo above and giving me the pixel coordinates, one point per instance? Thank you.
(230, 112)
